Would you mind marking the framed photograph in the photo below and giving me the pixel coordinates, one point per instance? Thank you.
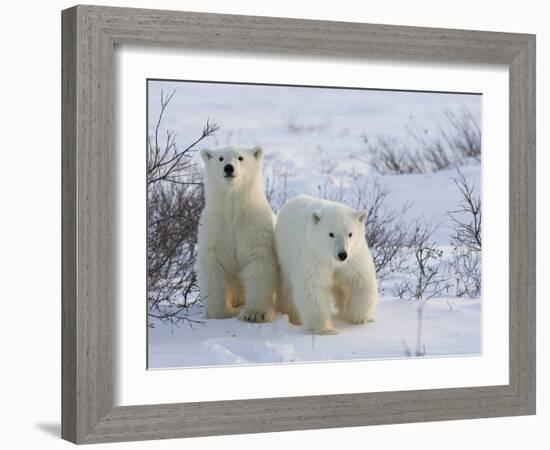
(278, 224)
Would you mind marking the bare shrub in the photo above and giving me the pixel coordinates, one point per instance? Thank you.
(386, 229)
(165, 161)
(466, 265)
(466, 241)
(464, 134)
(388, 156)
(327, 163)
(294, 126)
(434, 150)
(467, 217)
(425, 274)
(277, 191)
(451, 145)
(173, 217)
(175, 200)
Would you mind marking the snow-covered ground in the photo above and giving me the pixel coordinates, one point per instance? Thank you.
(312, 139)
(450, 327)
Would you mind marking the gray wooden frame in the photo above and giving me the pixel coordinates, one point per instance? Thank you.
(89, 37)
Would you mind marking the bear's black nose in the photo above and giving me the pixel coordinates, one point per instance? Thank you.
(342, 256)
(228, 169)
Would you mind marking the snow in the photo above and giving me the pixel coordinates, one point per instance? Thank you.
(313, 141)
(450, 327)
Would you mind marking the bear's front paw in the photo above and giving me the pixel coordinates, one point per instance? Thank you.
(360, 320)
(294, 318)
(322, 327)
(326, 329)
(253, 315)
(323, 331)
(328, 332)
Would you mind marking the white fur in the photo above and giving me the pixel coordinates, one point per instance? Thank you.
(236, 263)
(313, 278)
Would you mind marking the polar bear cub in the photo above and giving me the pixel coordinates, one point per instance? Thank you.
(324, 263)
(236, 262)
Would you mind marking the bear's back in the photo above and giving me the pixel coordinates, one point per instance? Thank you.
(302, 206)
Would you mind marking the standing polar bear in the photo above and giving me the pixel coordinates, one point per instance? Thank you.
(236, 263)
(325, 262)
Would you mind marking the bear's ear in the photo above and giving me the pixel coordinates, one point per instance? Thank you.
(206, 154)
(258, 152)
(361, 216)
(316, 216)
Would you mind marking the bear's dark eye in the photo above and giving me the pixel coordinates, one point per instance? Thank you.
(331, 235)
(240, 158)
(349, 235)
(221, 158)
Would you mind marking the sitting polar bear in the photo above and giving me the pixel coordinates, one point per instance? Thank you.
(236, 263)
(324, 262)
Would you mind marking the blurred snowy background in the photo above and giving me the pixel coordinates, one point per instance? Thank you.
(412, 159)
